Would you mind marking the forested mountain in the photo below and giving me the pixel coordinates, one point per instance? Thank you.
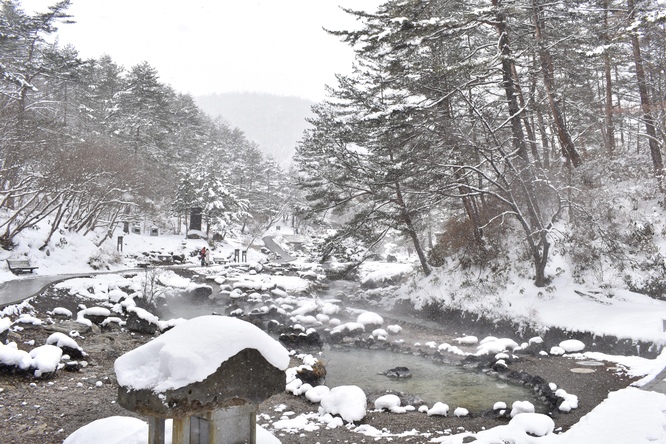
(519, 130)
(275, 123)
(88, 143)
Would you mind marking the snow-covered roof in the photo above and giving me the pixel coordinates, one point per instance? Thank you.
(192, 351)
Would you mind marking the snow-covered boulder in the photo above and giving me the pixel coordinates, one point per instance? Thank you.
(370, 319)
(495, 346)
(60, 311)
(112, 430)
(45, 360)
(394, 329)
(535, 424)
(569, 401)
(94, 315)
(520, 407)
(316, 394)
(128, 430)
(348, 329)
(467, 340)
(379, 334)
(348, 401)
(572, 346)
(66, 344)
(499, 405)
(142, 321)
(11, 356)
(557, 351)
(438, 409)
(387, 402)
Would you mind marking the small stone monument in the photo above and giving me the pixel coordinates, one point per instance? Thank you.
(209, 374)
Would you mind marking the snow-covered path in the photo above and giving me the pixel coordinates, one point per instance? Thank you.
(16, 290)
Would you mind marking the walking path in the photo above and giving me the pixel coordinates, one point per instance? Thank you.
(658, 384)
(275, 248)
(16, 290)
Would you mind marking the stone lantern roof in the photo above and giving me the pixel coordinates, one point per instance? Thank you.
(209, 374)
(244, 378)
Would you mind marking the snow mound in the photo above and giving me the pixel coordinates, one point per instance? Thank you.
(369, 318)
(316, 394)
(535, 424)
(394, 329)
(62, 340)
(45, 359)
(127, 430)
(5, 323)
(112, 430)
(12, 357)
(348, 401)
(520, 407)
(387, 402)
(467, 340)
(439, 409)
(572, 346)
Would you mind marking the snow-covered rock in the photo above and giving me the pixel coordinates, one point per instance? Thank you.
(557, 351)
(520, 407)
(572, 346)
(467, 340)
(45, 359)
(11, 356)
(316, 394)
(534, 424)
(438, 409)
(348, 401)
(370, 318)
(387, 402)
(394, 329)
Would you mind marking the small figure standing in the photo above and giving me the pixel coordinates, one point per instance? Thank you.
(202, 256)
(207, 257)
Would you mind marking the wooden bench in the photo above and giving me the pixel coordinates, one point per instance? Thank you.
(18, 266)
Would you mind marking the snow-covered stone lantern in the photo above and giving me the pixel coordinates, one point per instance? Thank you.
(209, 374)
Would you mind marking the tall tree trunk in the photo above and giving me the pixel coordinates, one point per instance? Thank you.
(539, 249)
(646, 105)
(610, 124)
(541, 126)
(411, 230)
(568, 147)
(518, 139)
(526, 122)
(471, 208)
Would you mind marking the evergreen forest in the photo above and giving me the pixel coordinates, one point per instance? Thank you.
(499, 136)
(90, 145)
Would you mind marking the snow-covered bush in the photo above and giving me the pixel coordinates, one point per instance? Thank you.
(102, 258)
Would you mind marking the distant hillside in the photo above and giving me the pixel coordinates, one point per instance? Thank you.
(275, 123)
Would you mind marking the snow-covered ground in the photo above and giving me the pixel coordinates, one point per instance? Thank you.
(630, 415)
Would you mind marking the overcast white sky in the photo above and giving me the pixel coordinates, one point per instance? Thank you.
(209, 46)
